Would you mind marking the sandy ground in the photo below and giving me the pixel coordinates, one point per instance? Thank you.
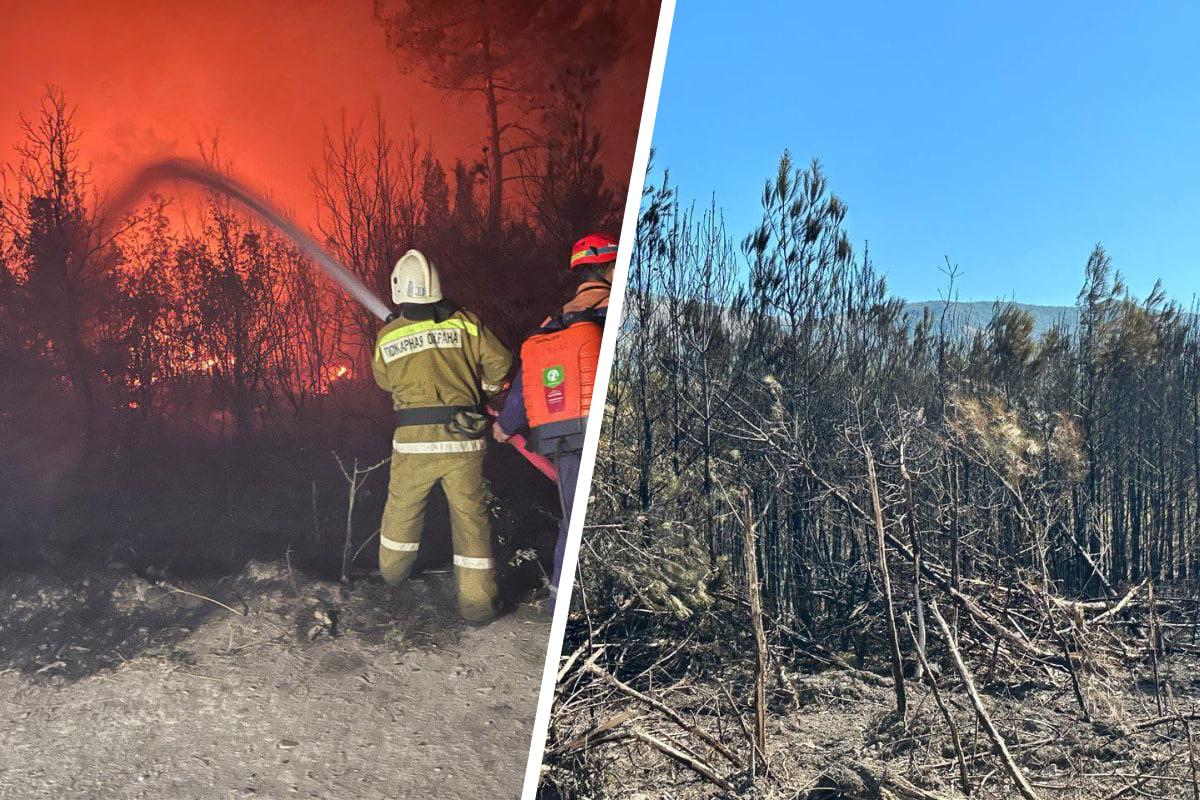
(112, 686)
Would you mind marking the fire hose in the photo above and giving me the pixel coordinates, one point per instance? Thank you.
(204, 175)
(539, 461)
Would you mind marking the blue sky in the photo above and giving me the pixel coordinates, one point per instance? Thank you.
(1009, 136)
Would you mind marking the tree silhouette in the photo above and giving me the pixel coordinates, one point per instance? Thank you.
(507, 53)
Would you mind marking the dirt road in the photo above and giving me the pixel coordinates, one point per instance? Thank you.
(113, 686)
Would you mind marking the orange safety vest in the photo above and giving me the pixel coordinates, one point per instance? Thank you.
(558, 374)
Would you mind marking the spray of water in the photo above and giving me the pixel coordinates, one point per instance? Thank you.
(204, 175)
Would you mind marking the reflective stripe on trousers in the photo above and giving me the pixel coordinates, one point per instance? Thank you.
(467, 562)
(403, 547)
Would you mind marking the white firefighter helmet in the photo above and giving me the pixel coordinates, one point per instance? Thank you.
(415, 280)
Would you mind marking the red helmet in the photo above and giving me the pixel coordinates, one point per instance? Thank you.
(595, 248)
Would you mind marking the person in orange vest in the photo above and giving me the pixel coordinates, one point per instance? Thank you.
(552, 390)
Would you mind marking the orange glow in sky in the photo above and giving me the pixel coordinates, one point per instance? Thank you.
(152, 79)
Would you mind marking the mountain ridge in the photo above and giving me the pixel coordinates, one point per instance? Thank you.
(975, 314)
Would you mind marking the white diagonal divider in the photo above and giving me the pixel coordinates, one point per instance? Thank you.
(637, 179)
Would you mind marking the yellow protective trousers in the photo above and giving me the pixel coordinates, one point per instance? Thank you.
(413, 476)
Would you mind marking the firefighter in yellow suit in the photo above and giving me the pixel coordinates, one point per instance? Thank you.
(440, 365)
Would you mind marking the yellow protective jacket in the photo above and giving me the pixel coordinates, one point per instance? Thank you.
(438, 355)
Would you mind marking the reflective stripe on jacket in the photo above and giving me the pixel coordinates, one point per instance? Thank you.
(453, 361)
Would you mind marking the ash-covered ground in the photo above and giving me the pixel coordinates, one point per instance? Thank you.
(266, 683)
(834, 735)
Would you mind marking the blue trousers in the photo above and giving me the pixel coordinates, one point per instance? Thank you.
(567, 465)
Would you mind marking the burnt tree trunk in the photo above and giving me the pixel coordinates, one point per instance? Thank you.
(886, 582)
(760, 637)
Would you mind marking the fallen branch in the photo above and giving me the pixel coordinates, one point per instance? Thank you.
(1156, 721)
(668, 712)
(176, 589)
(985, 719)
(931, 679)
(689, 761)
(570, 660)
(589, 736)
(1121, 604)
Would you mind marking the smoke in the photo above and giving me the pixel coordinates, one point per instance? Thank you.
(202, 174)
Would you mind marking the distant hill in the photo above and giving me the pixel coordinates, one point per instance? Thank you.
(972, 316)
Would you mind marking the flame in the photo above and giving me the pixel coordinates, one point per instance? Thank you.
(335, 373)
